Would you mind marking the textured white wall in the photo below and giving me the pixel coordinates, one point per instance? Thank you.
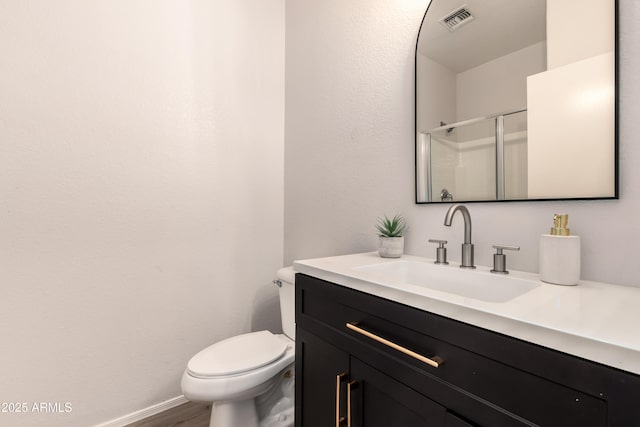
(141, 194)
(349, 144)
(349, 121)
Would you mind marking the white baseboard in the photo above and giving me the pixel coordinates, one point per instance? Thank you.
(144, 413)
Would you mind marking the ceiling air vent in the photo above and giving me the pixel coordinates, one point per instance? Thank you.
(454, 20)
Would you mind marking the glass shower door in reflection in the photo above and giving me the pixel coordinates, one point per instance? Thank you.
(475, 160)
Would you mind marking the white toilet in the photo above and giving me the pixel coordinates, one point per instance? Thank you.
(250, 377)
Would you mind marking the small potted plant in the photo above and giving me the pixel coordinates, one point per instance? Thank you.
(391, 236)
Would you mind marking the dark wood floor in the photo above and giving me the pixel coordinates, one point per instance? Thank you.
(187, 415)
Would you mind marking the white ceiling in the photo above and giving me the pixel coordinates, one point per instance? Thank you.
(500, 27)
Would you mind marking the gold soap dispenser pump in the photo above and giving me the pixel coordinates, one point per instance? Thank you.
(560, 254)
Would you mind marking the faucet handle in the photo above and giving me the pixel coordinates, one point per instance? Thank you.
(500, 259)
(441, 251)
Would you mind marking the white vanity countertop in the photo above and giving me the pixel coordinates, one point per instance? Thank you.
(595, 321)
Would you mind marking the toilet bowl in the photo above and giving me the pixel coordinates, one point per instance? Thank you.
(249, 377)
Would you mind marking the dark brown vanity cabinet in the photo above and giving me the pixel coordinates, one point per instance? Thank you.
(364, 361)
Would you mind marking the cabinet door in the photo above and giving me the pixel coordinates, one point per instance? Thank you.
(378, 400)
(318, 365)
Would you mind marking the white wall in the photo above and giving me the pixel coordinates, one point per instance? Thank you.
(349, 127)
(498, 85)
(349, 144)
(578, 29)
(141, 194)
(435, 104)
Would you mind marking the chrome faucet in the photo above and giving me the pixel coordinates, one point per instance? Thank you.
(467, 246)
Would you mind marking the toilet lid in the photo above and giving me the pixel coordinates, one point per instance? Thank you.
(237, 354)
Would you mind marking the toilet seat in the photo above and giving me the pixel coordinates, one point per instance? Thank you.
(236, 355)
(242, 385)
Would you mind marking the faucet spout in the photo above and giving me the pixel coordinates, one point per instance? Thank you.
(467, 246)
(448, 219)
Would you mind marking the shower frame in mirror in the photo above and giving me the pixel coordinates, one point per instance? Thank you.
(425, 194)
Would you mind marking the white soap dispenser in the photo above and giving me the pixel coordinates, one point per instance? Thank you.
(560, 254)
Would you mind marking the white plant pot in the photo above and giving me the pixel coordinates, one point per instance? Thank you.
(390, 247)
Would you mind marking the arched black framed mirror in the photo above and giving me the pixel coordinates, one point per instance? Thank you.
(516, 100)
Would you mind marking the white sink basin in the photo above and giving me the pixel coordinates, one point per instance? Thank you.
(477, 284)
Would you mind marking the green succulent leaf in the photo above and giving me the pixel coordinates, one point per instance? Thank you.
(394, 227)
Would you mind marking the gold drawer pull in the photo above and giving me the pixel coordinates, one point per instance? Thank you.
(435, 361)
(350, 386)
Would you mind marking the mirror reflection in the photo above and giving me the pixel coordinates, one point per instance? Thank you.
(515, 100)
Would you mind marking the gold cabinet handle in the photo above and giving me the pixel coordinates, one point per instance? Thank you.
(434, 361)
(339, 379)
(350, 386)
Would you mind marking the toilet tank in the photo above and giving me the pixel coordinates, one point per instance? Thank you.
(286, 282)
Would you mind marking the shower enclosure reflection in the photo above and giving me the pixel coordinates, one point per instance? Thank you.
(479, 159)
